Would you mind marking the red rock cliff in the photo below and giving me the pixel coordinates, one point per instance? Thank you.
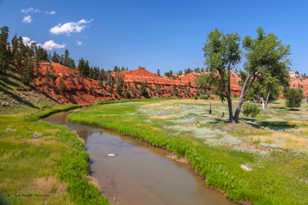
(65, 85)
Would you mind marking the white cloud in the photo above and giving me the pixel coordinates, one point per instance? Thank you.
(79, 43)
(70, 27)
(50, 45)
(47, 45)
(27, 19)
(50, 12)
(27, 41)
(32, 10)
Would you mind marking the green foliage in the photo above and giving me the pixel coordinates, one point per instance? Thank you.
(251, 109)
(50, 111)
(266, 88)
(205, 84)
(265, 72)
(222, 53)
(204, 96)
(84, 68)
(67, 60)
(294, 97)
(4, 51)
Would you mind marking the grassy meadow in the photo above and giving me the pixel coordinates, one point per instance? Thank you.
(43, 163)
(262, 160)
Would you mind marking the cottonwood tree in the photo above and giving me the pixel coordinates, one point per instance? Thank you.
(265, 56)
(222, 53)
(266, 59)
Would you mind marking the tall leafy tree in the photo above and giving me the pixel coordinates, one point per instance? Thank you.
(222, 54)
(266, 57)
(266, 61)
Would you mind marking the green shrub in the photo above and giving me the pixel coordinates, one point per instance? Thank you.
(251, 110)
(204, 97)
(294, 97)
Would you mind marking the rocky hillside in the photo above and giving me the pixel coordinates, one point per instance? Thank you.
(65, 85)
(55, 83)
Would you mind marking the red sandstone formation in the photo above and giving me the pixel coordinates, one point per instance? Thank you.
(299, 82)
(305, 86)
(184, 84)
(157, 85)
(65, 85)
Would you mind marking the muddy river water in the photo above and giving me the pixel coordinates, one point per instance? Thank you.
(132, 173)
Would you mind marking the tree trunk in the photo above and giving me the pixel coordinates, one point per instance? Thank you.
(263, 103)
(237, 112)
(267, 99)
(228, 96)
(230, 109)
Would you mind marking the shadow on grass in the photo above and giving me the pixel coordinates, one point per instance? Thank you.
(280, 108)
(273, 125)
(217, 121)
(3, 200)
(294, 109)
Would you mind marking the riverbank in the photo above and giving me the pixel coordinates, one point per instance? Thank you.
(276, 177)
(43, 163)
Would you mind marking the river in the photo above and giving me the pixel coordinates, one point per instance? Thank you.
(132, 173)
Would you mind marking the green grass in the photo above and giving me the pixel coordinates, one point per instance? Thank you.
(43, 163)
(279, 177)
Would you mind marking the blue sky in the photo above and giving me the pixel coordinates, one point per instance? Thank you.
(164, 34)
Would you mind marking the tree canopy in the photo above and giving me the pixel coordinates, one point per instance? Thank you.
(265, 69)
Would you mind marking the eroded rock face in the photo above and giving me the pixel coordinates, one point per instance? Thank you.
(184, 85)
(299, 82)
(136, 80)
(65, 85)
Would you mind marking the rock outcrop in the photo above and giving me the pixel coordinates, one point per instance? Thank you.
(141, 82)
(299, 82)
(65, 85)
